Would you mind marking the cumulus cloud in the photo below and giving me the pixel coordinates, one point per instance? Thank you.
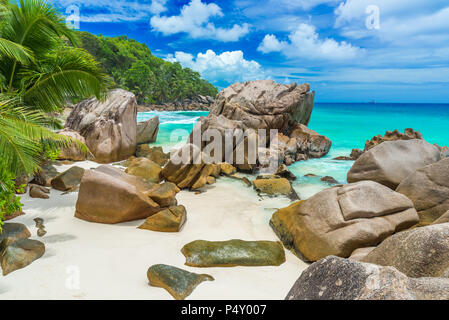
(227, 67)
(194, 19)
(304, 42)
(158, 6)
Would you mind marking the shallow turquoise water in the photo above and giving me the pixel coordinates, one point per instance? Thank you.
(347, 125)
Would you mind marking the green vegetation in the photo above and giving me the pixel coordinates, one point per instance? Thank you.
(134, 68)
(41, 69)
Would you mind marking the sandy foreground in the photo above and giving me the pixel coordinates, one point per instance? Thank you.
(94, 261)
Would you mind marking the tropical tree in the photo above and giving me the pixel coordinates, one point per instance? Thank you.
(41, 68)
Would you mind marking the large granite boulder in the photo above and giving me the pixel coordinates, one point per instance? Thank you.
(421, 252)
(310, 143)
(164, 194)
(273, 186)
(16, 254)
(155, 154)
(168, 220)
(187, 168)
(391, 162)
(45, 175)
(178, 282)
(428, 188)
(335, 278)
(73, 152)
(443, 219)
(147, 131)
(265, 104)
(109, 127)
(108, 195)
(339, 220)
(14, 231)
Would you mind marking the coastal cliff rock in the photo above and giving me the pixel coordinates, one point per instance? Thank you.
(147, 131)
(341, 219)
(421, 252)
(109, 127)
(391, 162)
(179, 283)
(335, 278)
(428, 188)
(108, 195)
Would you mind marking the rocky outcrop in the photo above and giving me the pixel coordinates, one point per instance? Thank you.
(45, 174)
(198, 103)
(187, 168)
(73, 152)
(421, 252)
(335, 278)
(428, 188)
(391, 162)
(341, 219)
(179, 283)
(168, 220)
(206, 254)
(109, 127)
(145, 168)
(68, 179)
(409, 134)
(108, 195)
(147, 131)
(17, 254)
(243, 108)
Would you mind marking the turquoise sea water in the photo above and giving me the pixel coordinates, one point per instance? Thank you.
(347, 125)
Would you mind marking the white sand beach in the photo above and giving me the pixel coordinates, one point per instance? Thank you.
(112, 260)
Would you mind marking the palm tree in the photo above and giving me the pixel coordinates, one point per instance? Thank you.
(41, 69)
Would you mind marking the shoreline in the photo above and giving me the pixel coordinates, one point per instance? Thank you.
(113, 259)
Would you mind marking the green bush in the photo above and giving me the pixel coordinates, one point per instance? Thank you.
(9, 203)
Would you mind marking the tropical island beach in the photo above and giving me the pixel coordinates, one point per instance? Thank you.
(128, 176)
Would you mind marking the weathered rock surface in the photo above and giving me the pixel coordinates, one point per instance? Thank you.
(179, 283)
(147, 131)
(68, 179)
(14, 231)
(109, 127)
(73, 152)
(168, 220)
(409, 134)
(428, 188)
(40, 192)
(310, 143)
(273, 186)
(233, 253)
(421, 252)
(164, 194)
(108, 195)
(443, 219)
(190, 172)
(360, 254)
(17, 254)
(145, 168)
(155, 154)
(341, 219)
(335, 278)
(227, 169)
(284, 172)
(391, 162)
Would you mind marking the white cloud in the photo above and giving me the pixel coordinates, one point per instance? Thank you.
(271, 44)
(158, 6)
(194, 19)
(304, 42)
(228, 67)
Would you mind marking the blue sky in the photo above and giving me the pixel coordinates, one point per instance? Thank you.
(348, 50)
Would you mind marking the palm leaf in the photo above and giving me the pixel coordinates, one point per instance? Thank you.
(15, 51)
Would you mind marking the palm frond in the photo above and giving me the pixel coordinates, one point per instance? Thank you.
(71, 73)
(15, 51)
